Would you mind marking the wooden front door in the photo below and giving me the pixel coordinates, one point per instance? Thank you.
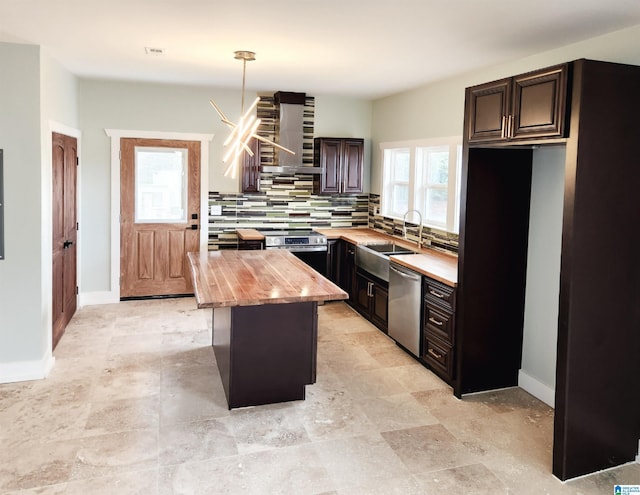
(64, 171)
(159, 215)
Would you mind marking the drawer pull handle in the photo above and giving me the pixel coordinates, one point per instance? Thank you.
(435, 322)
(437, 294)
(434, 353)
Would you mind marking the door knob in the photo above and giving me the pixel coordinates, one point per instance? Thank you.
(67, 244)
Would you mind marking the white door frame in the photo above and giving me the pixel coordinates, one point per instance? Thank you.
(116, 135)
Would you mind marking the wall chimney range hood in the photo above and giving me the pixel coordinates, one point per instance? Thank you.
(289, 132)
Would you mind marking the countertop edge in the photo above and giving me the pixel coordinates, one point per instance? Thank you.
(404, 260)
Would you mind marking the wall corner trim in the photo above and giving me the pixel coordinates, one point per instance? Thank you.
(97, 297)
(22, 371)
(536, 388)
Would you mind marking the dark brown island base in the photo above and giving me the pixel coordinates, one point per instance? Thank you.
(265, 321)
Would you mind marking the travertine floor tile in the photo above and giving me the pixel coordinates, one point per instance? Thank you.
(135, 405)
(116, 453)
(472, 479)
(395, 412)
(428, 448)
(360, 460)
(188, 442)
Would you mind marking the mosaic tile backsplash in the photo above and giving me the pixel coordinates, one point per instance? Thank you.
(436, 239)
(284, 209)
(290, 205)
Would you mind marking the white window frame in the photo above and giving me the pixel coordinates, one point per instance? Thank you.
(417, 181)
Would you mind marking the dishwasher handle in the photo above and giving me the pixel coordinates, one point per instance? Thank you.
(412, 276)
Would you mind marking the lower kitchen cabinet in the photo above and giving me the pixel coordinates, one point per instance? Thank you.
(346, 268)
(333, 265)
(372, 299)
(254, 245)
(438, 328)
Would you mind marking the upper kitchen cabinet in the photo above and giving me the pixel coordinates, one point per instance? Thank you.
(342, 163)
(527, 107)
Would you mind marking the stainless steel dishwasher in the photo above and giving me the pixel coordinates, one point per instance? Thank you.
(404, 307)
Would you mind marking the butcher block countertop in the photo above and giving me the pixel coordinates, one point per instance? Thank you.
(251, 278)
(434, 264)
(249, 235)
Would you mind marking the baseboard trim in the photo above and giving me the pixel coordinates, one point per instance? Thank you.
(536, 388)
(22, 371)
(94, 298)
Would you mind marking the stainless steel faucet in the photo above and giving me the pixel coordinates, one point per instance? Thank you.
(404, 227)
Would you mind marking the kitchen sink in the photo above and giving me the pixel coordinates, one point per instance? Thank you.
(374, 258)
(389, 248)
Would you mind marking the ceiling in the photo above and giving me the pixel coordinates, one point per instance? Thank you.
(361, 48)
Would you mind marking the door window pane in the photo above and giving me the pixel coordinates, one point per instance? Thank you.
(161, 185)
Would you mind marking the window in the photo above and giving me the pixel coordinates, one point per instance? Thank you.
(424, 176)
(160, 185)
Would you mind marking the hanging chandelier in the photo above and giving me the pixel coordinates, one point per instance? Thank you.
(241, 133)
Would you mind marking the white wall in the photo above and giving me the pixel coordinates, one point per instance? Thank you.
(21, 336)
(35, 90)
(167, 108)
(346, 117)
(538, 369)
(437, 110)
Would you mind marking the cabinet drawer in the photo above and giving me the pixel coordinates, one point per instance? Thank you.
(438, 356)
(439, 322)
(439, 293)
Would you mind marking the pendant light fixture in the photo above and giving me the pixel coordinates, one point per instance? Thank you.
(242, 132)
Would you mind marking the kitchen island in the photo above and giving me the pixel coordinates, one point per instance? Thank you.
(265, 321)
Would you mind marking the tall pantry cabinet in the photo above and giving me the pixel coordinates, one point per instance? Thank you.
(597, 396)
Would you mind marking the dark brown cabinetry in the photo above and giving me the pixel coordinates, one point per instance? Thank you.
(246, 245)
(438, 328)
(333, 258)
(596, 402)
(346, 268)
(530, 106)
(342, 163)
(372, 299)
(251, 168)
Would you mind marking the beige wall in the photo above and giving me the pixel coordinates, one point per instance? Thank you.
(169, 108)
(437, 110)
(36, 91)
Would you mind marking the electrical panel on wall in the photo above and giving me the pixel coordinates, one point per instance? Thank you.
(1, 209)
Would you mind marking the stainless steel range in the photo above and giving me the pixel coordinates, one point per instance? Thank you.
(309, 246)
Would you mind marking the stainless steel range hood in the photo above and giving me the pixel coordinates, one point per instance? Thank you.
(289, 128)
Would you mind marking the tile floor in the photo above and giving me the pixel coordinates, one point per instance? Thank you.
(134, 404)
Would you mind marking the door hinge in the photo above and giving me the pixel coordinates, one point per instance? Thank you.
(77, 225)
(77, 161)
(77, 292)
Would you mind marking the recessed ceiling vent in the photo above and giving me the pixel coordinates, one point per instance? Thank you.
(150, 50)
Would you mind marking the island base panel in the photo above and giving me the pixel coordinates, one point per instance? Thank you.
(267, 353)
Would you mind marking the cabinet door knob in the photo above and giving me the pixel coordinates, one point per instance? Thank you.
(437, 294)
(503, 133)
(435, 322)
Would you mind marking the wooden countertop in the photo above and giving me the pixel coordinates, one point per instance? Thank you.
(249, 235)
(438, 266)
(435, 264)
(251, 278)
